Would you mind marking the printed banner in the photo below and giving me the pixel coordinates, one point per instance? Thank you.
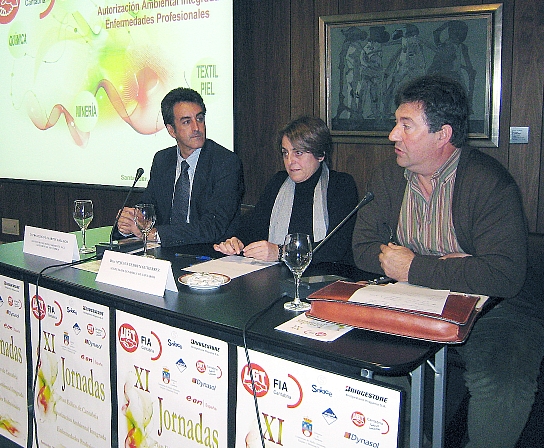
(73, 393)
(172, 386)
(13, 380)
(300, 406)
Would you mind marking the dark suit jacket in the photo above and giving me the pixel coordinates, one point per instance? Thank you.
(218, 186)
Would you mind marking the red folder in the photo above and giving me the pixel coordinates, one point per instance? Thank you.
(452, 326)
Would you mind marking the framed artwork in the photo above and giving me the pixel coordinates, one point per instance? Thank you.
(364, 58)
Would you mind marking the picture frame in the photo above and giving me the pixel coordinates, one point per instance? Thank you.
(364, 58)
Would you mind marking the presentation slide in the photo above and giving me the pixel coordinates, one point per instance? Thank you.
(83, 82)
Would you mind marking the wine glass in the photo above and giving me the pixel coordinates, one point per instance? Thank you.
(297, 255)
(83, 215)
(144, 217)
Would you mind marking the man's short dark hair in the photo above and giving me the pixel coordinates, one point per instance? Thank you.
(179, 95)
(444, 101)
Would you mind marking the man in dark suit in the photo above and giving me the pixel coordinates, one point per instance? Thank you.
(215, 180)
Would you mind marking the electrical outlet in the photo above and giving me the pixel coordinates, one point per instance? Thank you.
(10, 226)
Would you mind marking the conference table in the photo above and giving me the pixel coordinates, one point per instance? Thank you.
(240, 320)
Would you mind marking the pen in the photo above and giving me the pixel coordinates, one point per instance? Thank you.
(196, 257)
(381, 281)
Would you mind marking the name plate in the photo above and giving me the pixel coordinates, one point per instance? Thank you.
(149, 275)
(50, 244)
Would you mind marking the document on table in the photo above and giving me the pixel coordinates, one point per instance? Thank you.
(91, 266)
(232, 266)
(403, 295)
(317, 329)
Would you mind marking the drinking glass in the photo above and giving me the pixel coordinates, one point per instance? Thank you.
(297, 255)
(83, 215)
(144, 217)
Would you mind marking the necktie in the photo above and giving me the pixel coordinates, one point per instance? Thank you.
(180, 205)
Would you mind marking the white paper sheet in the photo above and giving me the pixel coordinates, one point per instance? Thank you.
(233, 266)
(403, 295)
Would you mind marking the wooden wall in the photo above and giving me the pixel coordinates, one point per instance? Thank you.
(277, 78)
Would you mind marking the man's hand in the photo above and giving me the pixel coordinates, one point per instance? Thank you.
(262, 250)
(232, 246)
(126, 224)
(395, 261)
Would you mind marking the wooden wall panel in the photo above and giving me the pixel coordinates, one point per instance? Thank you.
(303, 58)
(361, 161)
(21, 201)
(528, 82)
(262, 87)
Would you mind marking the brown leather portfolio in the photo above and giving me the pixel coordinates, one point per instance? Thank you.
(452, 326)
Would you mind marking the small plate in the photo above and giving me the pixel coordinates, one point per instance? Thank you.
(204, 280)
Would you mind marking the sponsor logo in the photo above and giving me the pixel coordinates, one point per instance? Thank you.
(181, 365)
(70, 310)
(201, 366)
(205, 346)
(146, 343)
(320, 390)
(128, 338)
(92, 311)
(1, 301)
(329, 416)
(307, 427)
(296, 392)
(86, 358)
(15, 303)
(93, 344)
(12, 314)
(66, 338)
(100, 332)
(165, 376)
(8, 11)
(38, 307)
(52, 313)
(370, 423)
(358, 419)
(194, 400)
(9, 327)
(260, 379)
(11, 286)
(215, 371)
(172, 343)
(360, 440)
(203, 384)
(76, 328)
(365, 394)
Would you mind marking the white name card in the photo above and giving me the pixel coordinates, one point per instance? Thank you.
(149, 275)
(50, 244)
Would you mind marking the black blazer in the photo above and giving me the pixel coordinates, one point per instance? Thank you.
(218, 186)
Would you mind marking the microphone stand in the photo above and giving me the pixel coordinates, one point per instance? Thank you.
(366, 199)
(100, 248)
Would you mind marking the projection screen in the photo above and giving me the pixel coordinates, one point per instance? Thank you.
(83, 81)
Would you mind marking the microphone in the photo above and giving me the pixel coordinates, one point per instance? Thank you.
(366, 199)
(100, 248)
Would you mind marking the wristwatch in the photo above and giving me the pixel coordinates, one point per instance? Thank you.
(280, 252)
